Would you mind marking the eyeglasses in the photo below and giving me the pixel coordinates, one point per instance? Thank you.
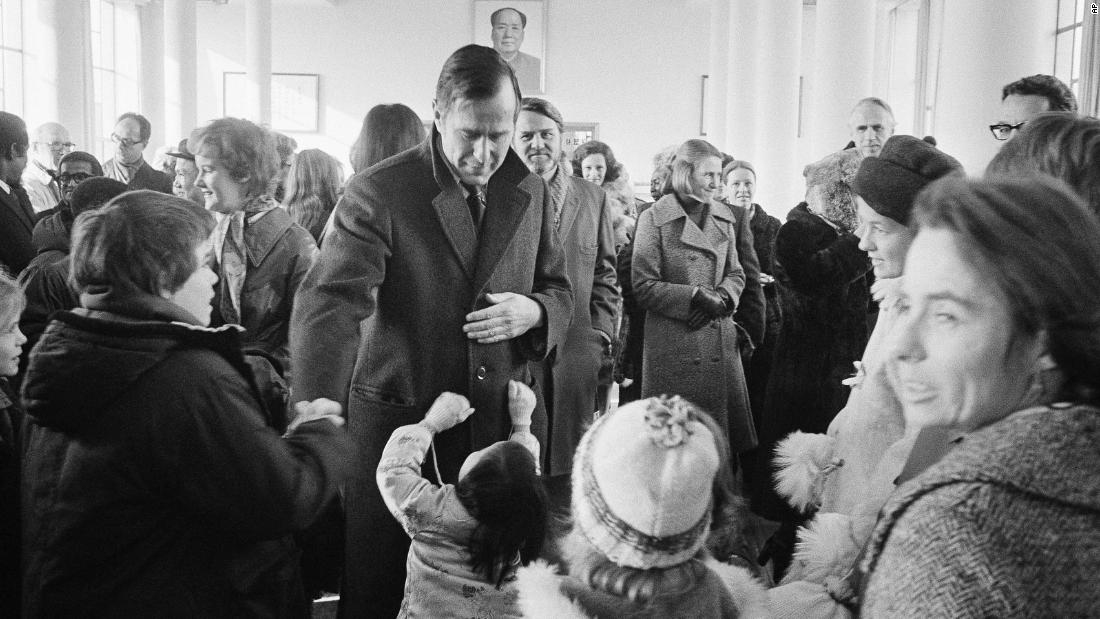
(59, 145)
(1003, 131)
(78, 177)
(123, 142)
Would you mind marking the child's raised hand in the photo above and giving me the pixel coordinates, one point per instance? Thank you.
(521, 403)
(448, 410)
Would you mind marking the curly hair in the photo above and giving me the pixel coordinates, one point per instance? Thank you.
(1058, 95)
(246, 149)
(595, 147)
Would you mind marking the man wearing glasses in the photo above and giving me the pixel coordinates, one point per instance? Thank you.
(131, 136)
(51, 143)
(1027, 97)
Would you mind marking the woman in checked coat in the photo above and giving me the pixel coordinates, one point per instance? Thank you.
(688, 278)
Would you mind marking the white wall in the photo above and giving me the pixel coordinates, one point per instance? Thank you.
(615, 62)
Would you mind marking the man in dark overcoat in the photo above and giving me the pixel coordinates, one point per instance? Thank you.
(442, 273)
(582, 216)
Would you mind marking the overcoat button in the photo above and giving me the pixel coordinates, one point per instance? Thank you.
(481, 372)
(698, 361)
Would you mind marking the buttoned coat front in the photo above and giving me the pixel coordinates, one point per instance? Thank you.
(673, 256)
(589, 242)
(377, 326)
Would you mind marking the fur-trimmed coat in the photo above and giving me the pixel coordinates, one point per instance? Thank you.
(824, 294)
(725, 592)
(1006, 525)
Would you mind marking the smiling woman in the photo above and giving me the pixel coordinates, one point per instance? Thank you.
(998, 340)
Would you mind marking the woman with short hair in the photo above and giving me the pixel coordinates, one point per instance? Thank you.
(998, 343)
(261, 254)
(688, 279)
(153, 484)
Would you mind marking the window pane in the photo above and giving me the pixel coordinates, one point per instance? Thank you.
(1063, 58)
(13, 82)
(1067, 9)
(13, 24)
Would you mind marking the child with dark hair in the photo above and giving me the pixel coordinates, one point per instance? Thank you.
(469, 538)
(11, 416)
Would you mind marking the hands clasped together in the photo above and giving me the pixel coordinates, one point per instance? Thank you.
(708, 304)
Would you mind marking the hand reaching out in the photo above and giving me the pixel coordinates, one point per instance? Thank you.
(521, 403)
(448, 410)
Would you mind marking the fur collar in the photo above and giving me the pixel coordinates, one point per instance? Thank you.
(540, 594)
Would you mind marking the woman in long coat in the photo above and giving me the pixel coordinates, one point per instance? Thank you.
(688, 279)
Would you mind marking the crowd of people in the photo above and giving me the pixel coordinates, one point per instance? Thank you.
(237, 382)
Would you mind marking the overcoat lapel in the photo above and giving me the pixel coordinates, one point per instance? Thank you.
(569, 208)
(12, 201)
(454, 216)
(505, 210)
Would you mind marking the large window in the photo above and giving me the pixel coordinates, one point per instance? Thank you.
(115, 70)
(11, 56)
(914, 30)
(1068, 39)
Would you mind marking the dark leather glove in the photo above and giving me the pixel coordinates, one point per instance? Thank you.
(708, 301)
(697, 319)
(727, 301)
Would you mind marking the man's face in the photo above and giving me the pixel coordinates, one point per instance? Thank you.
(1017, 109)
(870, 125)
(52, 144)
(507, 33)
(538, 141)
(127, 139)
(475, 135)
(183, 184)
(71, 174)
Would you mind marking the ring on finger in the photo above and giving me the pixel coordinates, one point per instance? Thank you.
(491, 332)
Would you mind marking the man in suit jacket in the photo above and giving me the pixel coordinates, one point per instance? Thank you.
(442, 272)
(131, 136)
(16, 214)
(582, 217)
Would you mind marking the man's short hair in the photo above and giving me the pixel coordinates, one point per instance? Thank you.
(873, 101)
(144, 128)
(544, 107)
(243, 147)
(1057, 94)
(79, 155)
(496, 13)
(284, 145)
(13, 132)
(473, 72)
(140, 241)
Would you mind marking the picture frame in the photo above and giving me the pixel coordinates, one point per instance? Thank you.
(575, 134)
(295, 100)
(529, 62)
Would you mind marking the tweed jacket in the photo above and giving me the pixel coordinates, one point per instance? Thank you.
(1006, 525)
(377, 326)
(673, 256)
(570, 387)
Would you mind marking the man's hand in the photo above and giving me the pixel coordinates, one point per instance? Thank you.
(321, 408)
(511, 315)
(448, 410)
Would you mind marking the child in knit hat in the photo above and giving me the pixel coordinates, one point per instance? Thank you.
(467, 538)
(648, 480)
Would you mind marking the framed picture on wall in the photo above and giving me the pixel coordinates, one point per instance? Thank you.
(294, 100)
(516, 29)
(576, 134)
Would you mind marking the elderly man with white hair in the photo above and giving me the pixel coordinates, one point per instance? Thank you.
(51, 143)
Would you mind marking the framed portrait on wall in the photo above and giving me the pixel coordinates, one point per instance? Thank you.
(517, 30)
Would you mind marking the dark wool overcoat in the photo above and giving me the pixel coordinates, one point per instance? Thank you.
(673, 256)
(570, 386)
(378, 327)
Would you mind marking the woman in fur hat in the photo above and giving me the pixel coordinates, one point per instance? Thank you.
(998, 341)
(648, 480)
(847, 473)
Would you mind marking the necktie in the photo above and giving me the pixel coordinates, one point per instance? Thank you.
(475, 200)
